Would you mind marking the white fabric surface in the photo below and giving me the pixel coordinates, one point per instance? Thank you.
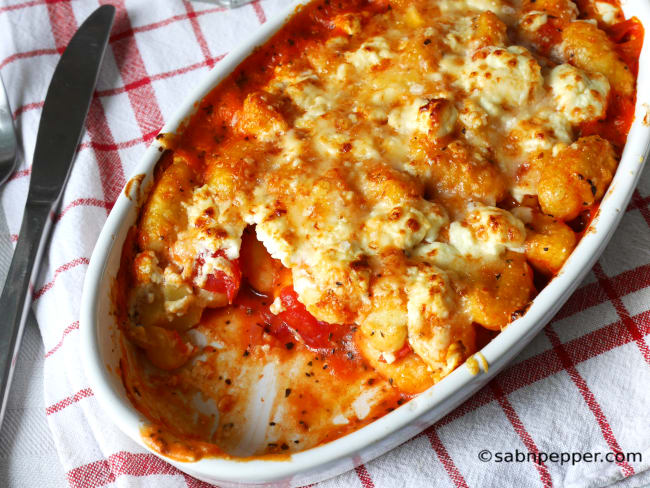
(27, 452)
(582, 385)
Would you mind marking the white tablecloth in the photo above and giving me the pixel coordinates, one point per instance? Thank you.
(28, 457)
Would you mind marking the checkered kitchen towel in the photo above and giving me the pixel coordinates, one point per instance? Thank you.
(583, 385)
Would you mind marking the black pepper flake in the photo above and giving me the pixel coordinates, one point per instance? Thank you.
(390, 380)
(241, 79)
(309, 363)
(296, 442)
(228, 381)
(287, 392)
(350, 355)
(227, 322)
(284, 447)
(546, 249)
(289, 345)
(593, 187)
(400, 401)
(427, 42)
(371, 381)
(517, 313)
(338, 283)
(325, 366)
(246, 353)
(271, 424)
(498, 276)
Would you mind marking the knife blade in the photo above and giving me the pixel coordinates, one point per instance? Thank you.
(61, 127)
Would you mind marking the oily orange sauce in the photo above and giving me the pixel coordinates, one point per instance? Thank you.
(329, 374)
(628, 40)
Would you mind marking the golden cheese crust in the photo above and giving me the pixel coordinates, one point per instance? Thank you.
(408, 165)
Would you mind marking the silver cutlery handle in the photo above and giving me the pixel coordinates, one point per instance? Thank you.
(17, 293)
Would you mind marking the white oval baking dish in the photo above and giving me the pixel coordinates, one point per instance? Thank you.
(99, 330)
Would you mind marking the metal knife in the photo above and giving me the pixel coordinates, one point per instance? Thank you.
(62, 123)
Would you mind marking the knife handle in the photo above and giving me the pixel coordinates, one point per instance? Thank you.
(17, 293)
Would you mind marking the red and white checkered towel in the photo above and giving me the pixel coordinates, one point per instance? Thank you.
(582, 386)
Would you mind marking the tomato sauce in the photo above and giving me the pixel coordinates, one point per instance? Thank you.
(628, 40)
(220, 282)
(296, 327)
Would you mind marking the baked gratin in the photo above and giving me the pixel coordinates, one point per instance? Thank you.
(360, 206)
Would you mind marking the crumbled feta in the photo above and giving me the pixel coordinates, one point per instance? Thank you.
(486, 232)
(534, 20)
(581, 97)
(498, 77)
(609, 13)
(402, 226)
(434, 117)
(370, 54)
(276, 307)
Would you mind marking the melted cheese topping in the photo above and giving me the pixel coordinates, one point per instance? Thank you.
(609, 13)
(487, 232)
(580, 97)
(534, 20)
(372, 164)
(498, 78)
